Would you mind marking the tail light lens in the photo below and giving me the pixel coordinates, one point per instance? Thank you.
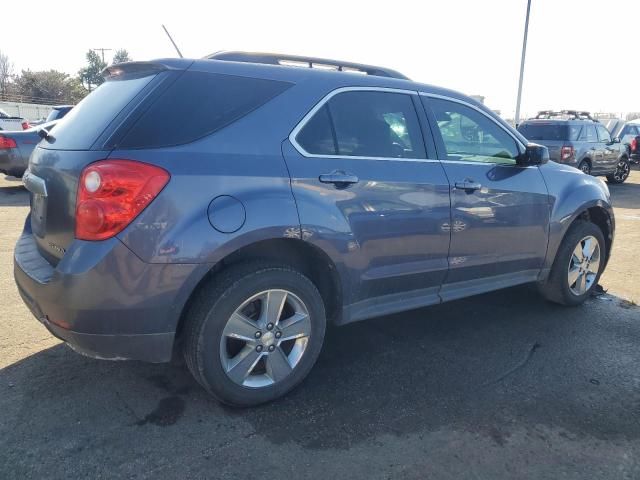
(25, 125)
(634, 145)
(566, 153)
(112, 193)
(6, 142)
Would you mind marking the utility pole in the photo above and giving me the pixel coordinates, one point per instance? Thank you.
(524, 52)
(102, 50)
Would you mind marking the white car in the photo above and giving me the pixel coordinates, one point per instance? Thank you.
(8, 122)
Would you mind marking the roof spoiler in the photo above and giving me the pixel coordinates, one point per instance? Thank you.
(305, 62)
(142, 69)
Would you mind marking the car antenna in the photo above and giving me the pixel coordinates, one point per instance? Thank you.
(171, 39)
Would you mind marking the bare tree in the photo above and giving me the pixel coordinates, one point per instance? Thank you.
(6, 71)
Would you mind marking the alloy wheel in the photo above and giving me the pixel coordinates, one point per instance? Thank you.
(584, 265)
(265, 338)
(622, 171)
(584, 166)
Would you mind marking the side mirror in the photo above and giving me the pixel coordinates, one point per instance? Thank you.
(534, 155)
(616, 140)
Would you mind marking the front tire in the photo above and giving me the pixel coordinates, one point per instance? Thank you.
(622, 172)
(254, 332)
(578, 265)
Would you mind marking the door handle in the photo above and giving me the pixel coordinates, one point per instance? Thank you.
(468, 186)
(339, 178)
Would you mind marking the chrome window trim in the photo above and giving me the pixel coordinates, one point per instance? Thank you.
(301, 124)
(521, 146)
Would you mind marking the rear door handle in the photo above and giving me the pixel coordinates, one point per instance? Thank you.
(468, 186)
(339, 178)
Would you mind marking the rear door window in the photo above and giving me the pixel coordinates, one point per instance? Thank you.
(588, 134)
(317, 137)
(198, 104)
(603, 134)
(365, 124)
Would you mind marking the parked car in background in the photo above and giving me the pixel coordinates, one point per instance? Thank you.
(9, 123)
(231, 206)
(16, 148)
(58, 112)
(576, 139)
(629, 135)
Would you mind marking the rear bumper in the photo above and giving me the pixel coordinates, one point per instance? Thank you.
(12, 163)
(103, 300)
(152, 347)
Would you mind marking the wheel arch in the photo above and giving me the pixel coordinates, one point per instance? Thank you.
(309, 259)
(596, 212)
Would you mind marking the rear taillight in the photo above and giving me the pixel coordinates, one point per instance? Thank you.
(634, 145)
(7, 142)
(566, 152)
(25, 125)
(111, 193)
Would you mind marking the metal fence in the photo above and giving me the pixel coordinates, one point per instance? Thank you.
(28, 111)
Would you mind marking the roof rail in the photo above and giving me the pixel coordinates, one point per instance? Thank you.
(567, 114)
(306, 62)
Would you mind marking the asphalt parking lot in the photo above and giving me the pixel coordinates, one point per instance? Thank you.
(502, 385)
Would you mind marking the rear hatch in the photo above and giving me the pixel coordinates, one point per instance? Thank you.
(80, 138)
(553, 135)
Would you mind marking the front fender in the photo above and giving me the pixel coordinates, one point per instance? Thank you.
(571, 194)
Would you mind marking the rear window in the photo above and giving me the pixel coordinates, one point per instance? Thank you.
(81, 127)
(198, 104)
(550, 131)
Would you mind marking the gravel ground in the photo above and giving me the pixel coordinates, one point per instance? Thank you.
(502, 385)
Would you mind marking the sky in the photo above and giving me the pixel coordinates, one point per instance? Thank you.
(581, 54)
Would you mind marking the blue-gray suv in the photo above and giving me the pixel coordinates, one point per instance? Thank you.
(229, 207)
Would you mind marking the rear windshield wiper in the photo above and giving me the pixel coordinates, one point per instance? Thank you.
(45, 135)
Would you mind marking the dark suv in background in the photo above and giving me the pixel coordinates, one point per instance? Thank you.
(576, 139)
(229, 207)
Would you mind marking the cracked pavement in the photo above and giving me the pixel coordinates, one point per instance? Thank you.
(502, 385)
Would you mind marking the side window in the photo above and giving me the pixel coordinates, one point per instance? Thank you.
(628, 130)
(317, 135)
(575, 132)
(365, 124)
(603, 134)
(589, 134)
(471, 136)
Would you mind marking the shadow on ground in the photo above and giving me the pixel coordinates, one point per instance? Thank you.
(13, 193)
(488, 365)
(627, 195)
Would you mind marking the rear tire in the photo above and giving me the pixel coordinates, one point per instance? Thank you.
(585, 167)
(237, 350)
(622, 172)
(564, 284)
